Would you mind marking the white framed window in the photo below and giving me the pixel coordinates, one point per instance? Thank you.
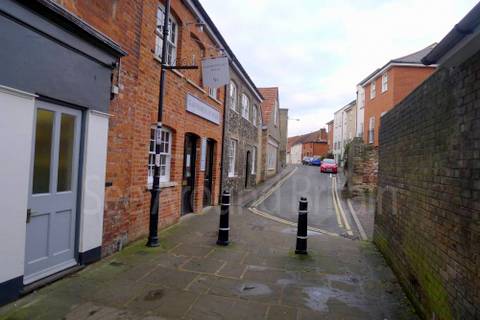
(232, 157)
(384, 82)
(373, 90)
(233, 95)
(254, 160)
(271, 157)
(371, 130)
(171, 39)
(255, 115)
(245, 107)
(213, 93)
(165, 155)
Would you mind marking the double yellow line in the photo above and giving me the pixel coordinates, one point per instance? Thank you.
(341, 216)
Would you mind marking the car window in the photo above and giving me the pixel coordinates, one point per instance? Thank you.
(329, 161)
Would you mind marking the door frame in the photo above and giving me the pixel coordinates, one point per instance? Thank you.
(247, 168)
(80, 171)
(195, 138)
(209, 158)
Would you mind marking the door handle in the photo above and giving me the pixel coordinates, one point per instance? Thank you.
(29, 214)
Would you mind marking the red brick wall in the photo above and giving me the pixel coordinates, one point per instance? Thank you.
(132, 25)
(401, 82)
(314, 149)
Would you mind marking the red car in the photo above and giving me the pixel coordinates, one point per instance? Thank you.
(328, 166)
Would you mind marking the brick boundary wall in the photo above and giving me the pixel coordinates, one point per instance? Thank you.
(362, 168)
(427, 221)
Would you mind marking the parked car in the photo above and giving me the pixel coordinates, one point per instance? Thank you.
(306, 160)
(316, 161)
(328, 166)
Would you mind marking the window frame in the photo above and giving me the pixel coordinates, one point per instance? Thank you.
(255, 115)
(151, 157)
(371, 130)
(245, 107)
(213, 93)
(232, 157)
(373, 89)
(384, 82)
(233, 97)
(171, 43)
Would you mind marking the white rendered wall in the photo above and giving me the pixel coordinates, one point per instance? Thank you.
(296, 153)
(360, 111)
(93, 183)
(16, 130)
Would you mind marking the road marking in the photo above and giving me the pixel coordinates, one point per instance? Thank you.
(363, 235)
(290, 223)
(335, 207)
(273, 189)
(347, 224)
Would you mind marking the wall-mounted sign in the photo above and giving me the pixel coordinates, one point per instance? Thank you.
(203, 158)
(201, 109)
(215, 72)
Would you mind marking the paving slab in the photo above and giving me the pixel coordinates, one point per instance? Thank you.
(258, 276)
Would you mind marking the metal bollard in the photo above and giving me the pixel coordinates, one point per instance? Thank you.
(302, 227)
(224, 227)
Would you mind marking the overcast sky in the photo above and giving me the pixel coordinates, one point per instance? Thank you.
(316, 51)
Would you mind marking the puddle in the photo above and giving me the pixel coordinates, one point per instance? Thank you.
(254, 289)
(317, 298)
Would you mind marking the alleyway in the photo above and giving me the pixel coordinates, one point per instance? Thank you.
(257, 277)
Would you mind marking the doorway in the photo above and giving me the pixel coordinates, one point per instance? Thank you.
(52, 214)
(188, 181)
(247, 169)
(208, 178)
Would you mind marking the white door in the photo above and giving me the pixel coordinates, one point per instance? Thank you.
(50, 241)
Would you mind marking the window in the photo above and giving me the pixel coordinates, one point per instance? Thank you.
(275, 114)
(245, 107)
(254, 160)
(371, 130)
(171, 40)
(233, 95)
(373, 90)
(271, 157)
(254, 115)
(232, 155)
(384, 82)
(165, 155)
(212, 92)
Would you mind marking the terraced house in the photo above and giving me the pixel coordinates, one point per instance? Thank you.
(81, 146)
(243, 132)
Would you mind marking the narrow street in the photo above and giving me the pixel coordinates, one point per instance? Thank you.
(326, 210)
(257, 276)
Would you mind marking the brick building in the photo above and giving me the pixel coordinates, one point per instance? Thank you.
(385, 87)
(243, 132)
(308, 145)
(428, 214)
(56, 83)
(270, 132)
(330, 135)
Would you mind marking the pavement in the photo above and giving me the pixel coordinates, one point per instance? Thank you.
(257, 276)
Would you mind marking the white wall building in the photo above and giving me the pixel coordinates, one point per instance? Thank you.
(360, 111)
(342, 131)
(296, 153)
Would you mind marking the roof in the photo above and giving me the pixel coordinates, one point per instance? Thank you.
(330, 122)
(410, 59)
(458, 38)
(224, 43)
(319, 136)
(345, 107)
(74, 23)
(270, 95)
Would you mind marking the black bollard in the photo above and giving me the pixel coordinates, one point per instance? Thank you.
(302, 227)
(224, 225)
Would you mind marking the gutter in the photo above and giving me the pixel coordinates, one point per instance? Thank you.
(462, 29)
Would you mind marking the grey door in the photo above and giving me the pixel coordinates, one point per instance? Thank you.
(50, 240)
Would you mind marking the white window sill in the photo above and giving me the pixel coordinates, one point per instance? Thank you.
(233, 177)
(166, 184)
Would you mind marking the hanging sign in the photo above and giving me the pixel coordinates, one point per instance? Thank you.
(215, 72)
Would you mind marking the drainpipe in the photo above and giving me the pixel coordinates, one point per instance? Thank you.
(155, 192)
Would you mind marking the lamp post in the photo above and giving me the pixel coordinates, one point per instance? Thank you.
(155, 192)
